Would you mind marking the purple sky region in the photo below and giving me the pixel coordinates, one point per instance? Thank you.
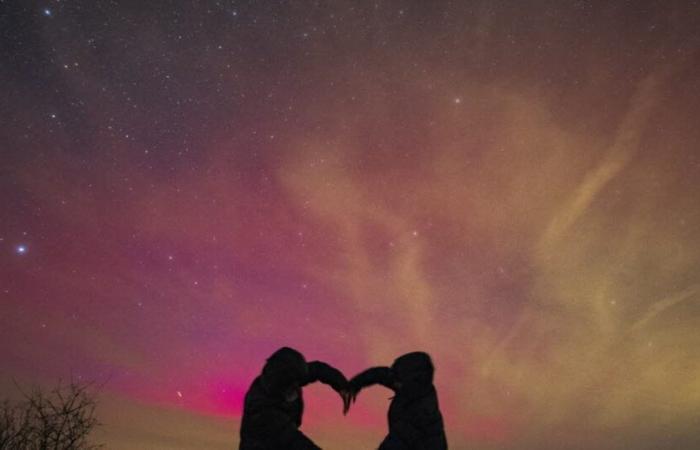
(509, 186)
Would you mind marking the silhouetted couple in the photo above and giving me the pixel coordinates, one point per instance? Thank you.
(274, 404)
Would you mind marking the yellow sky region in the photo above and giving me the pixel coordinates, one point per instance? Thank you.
(604, 330)
(127, 424)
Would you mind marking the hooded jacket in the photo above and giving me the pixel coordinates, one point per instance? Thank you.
(274, 405)
(415, 421)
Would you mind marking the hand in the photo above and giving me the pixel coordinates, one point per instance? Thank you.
(347, 400)
(344, 390)
(349, 395)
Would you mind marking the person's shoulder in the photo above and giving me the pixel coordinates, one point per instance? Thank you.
(432, 395)
(256, 385)
(256, 393)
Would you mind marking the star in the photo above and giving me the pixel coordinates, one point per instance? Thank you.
(47, 12)
(21, 249)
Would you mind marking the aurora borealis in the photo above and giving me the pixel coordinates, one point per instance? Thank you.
(513, 187)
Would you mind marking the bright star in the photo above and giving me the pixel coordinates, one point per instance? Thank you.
(47, 12)
(21, 249)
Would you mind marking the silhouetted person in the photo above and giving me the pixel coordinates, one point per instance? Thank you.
(274, 405)
(415, 421)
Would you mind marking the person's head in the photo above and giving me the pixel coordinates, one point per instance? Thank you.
(413, 369)
(284, 372)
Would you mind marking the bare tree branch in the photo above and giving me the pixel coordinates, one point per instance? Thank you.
(58, 420)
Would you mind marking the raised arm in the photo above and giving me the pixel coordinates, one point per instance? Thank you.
(372, 376)
(369, 377)
(326, 374)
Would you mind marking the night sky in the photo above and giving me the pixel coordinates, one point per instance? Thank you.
(513, 187)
